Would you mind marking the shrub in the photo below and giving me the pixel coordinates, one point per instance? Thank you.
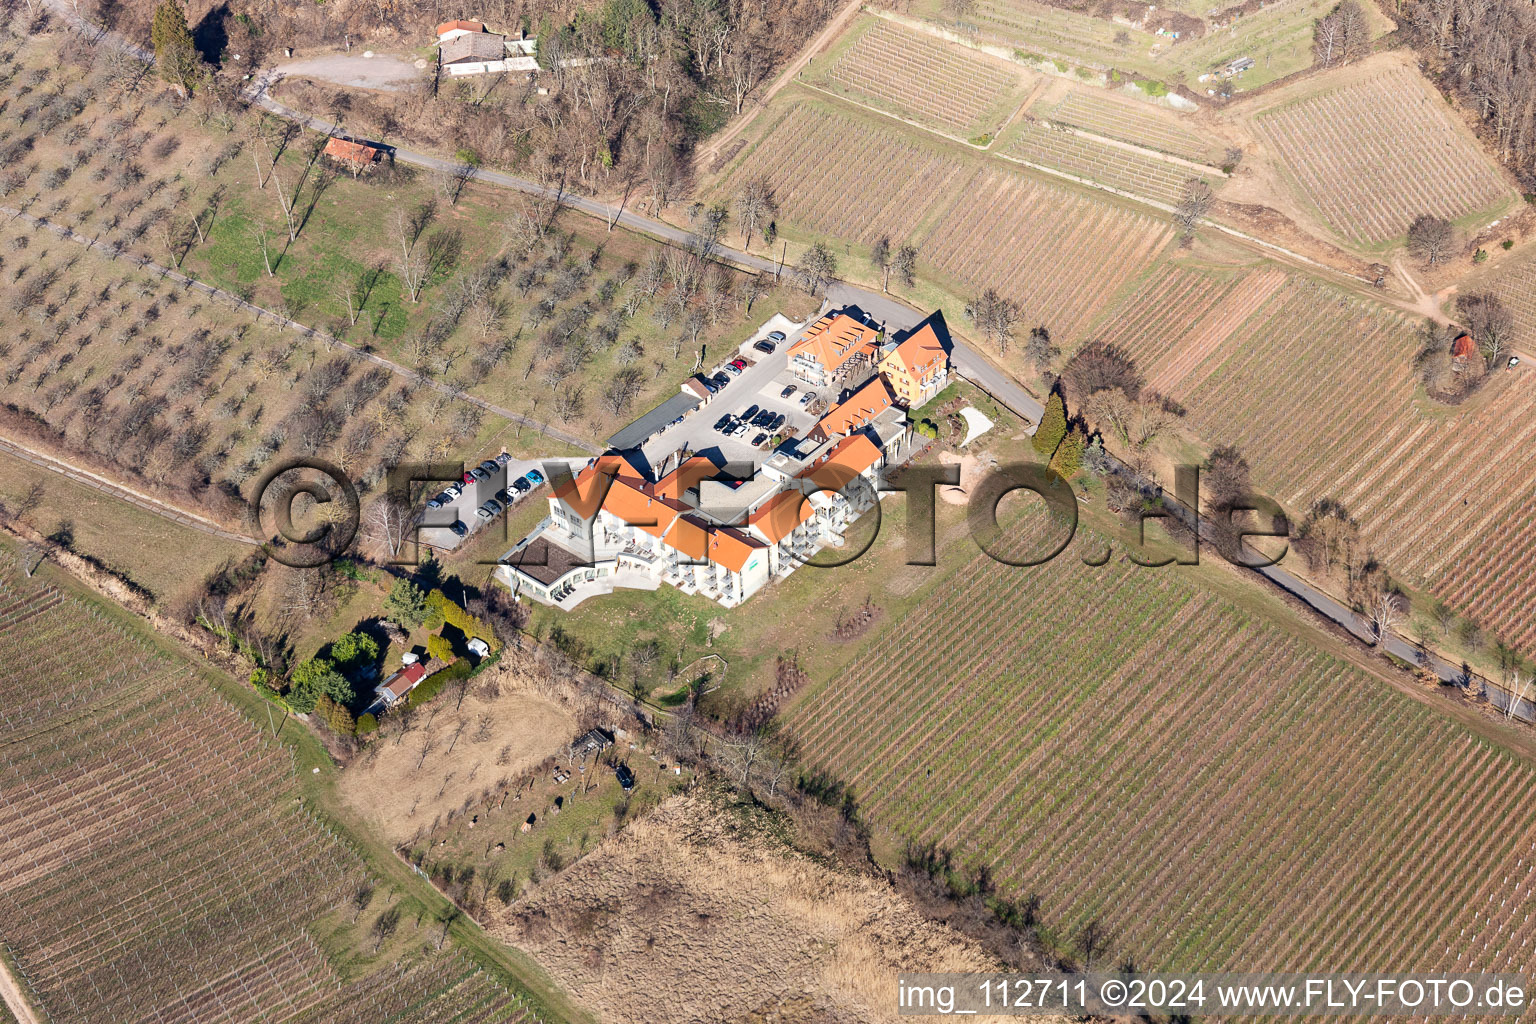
(1481, 256)
(1507, 244)
(438, 647)
(353, 651)
(1053, 426)
(1153, 88)
(1069, 455)
(313, 678)
(367, 724)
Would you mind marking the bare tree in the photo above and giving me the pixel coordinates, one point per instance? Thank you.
(995, 317)
(258, 234)
(755, 202)
(389, 520)
(1385, 612)
(816, 267)
(905, 265)
(1490, 323)
(1193, 205)
(385, 925)
(1431, 238)
(409, 260)
(623, 389)
(880, 261)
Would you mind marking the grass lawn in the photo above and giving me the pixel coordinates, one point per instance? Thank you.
(158, 554)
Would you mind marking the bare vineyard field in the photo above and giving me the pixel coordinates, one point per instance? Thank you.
(1059, 253)
(935, 82)
(1139, 174)
(1212, 790)
(1317, 388)
(1137, 123)
(1373, 155)
(122, 886)
(1037, 27)
(1516, 285)
(155, 866)
(834, 176)
(443, 988)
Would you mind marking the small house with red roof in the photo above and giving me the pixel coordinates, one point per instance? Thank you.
(1463, 347)
(357, 157)
(392, 690)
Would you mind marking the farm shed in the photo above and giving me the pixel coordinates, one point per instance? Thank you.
(398, 685)
(473, 53)
(1463, 347)
(355, 156)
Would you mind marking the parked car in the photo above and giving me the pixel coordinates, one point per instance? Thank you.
(723, 423)
(1514, 361)
(479, 473)
(625, 776)
(453, 491)
(709, 384)
(459, 529)
(721, 379)
(789, 389)
(735, 370)
(739, 364)
(439, 501)
(521, 485)
(775, 336)
(763, 418)
(503, 459)
(467, 478)
(490, 466)
(533, 476)
(808, 398)
(489, 510)
(759, 439)
(778, 421)
(504, 496)
(765, 347)
(752, 410)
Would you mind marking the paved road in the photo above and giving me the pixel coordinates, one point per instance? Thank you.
(968, 362)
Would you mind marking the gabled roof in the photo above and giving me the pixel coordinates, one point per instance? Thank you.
(731, 548)
(402, 682)
(476, 46)
(352, 152)
(862, 406)
(1463, 346)
(459, 26)
(835, 339)
(688, 536)
(778, 517)
(922, 355)
(686, 477)
(846, 459)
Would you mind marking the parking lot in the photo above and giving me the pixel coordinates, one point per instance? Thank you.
(761, 384)
(436, 523)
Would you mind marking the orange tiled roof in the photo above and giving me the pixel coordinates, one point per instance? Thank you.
(848, 458)
(352, 152)
(731, 548)
(464, 26)
(921, 355)
(1463, 346)
(833, 340)
(689, 536)
(778, 517)
(862, 406)
(686, 476)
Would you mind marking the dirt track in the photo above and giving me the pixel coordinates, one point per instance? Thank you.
(10, 994)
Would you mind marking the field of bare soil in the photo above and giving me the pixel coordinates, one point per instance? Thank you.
(765, 932)
(435, 757)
